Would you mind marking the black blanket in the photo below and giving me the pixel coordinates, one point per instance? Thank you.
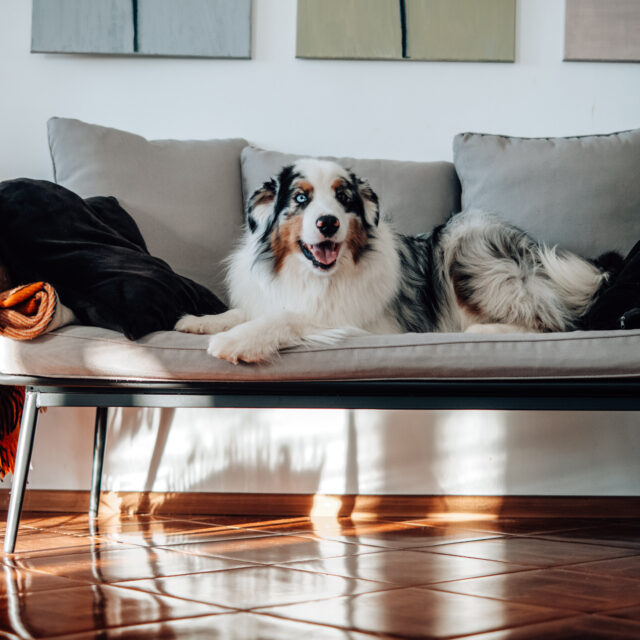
(91, 251)
(617, 305)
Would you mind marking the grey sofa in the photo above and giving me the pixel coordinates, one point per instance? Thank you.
(187, 197)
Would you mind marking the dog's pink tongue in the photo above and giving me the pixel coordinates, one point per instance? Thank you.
(325, 252)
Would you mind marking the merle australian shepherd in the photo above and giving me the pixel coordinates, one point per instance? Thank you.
(317, 262)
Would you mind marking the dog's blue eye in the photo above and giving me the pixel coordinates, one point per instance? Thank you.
(301, 198)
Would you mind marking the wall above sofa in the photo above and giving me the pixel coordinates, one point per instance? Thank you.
(344, 108)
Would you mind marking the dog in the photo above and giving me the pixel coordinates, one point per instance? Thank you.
(317, 262)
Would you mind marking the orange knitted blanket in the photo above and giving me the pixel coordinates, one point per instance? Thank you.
(26, 312)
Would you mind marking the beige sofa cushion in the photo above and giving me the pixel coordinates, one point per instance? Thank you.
(185, 195)
(414, 196)
(88, 352)
(582, 193)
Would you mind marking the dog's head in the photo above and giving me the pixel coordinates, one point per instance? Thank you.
(316, 212)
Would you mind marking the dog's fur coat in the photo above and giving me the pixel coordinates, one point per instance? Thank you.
(317, 262)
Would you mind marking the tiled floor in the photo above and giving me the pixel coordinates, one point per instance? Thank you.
(297, 578)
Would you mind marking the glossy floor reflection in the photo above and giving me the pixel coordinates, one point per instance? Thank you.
(228, 577)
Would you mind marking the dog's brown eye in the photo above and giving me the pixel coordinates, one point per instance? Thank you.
(301, 198)
(342, 197)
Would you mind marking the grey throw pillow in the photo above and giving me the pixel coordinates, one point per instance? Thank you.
(579, 193)
(415, 196)
(186, 196)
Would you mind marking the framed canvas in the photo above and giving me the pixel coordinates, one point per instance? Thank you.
(601, 31)
(351, 29)
(455, 30)
(190, 28)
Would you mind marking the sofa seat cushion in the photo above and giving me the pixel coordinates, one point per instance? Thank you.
(91, 353)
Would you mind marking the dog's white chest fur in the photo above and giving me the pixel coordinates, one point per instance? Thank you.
(317, 263)
(357, 295)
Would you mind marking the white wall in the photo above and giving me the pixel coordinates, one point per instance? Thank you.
(386, 109)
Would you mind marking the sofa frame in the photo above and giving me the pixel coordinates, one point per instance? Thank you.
(595, 394)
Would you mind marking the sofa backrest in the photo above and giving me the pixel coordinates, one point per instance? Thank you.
(414, 196)
(186, 196)
(582, 193)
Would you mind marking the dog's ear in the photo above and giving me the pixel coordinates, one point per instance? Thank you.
(261, 204)
(371, 206)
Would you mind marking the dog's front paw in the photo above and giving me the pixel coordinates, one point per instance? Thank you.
(235, 346)
(211, 324)
(192, 324)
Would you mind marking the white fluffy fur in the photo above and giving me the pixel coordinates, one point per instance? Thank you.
(328, 301)
(300, 303)
(548, 290)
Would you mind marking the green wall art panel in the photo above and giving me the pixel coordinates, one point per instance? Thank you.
(455, 30)
(367, 29)
(475, 30)
(189, 28)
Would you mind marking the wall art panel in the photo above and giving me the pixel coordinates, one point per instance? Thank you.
(456, 30)
(190, 28)
(602, 30)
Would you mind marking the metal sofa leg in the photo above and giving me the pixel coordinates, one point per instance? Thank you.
(23, 458)
(99, 442)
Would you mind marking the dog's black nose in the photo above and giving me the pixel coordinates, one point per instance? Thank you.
(328, 225)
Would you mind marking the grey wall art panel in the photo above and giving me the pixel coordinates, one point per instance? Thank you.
(191, 28)
(209, 28)
(82, 26)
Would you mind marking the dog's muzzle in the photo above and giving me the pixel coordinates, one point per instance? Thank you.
(323, 254)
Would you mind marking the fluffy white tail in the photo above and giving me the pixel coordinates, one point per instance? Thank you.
(575, 280)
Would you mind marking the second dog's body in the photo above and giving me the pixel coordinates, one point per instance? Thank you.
(316, 261)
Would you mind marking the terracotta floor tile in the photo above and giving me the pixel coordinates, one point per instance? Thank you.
(66, 611)
(160, 537)
(395, 535)
(256, 522)
(336, 526)
(533, 551)
(231, 626)
(513, 526)
(616, 534)
(27, 518)
(416, 613)
(273, 549)
(116, 565)
(306, 525)
(581, 628)
(628, 613)
(254, 587)
(407, 568)
(81, 523)
(153, 576)
(622, 567)
(44, 542)
(556, 588)
(15, 579)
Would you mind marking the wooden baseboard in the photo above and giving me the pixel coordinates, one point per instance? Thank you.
(279, 504)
